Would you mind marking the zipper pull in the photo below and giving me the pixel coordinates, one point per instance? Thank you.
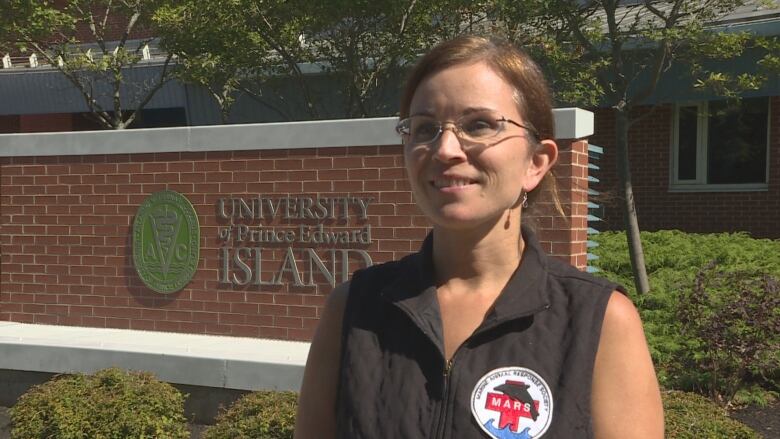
(448, 367)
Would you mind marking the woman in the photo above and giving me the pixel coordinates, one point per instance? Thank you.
(479, 334)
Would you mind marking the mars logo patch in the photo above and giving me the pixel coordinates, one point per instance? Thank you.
(512, 403)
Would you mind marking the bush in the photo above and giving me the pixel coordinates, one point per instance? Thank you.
(736, 317)
(682, 352)
(692, 416)
(265, 414)
(110, 404)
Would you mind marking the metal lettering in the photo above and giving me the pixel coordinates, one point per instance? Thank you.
(242, 264)
(221, 209)
(305, 207)
(289, 259)
(363, 204)
(291, 209)
(238, 262)
(259, 268)
(242, 230)
(314, 259)
(322, 210)
(273, 209)
(345, 208)
(244, 210)
(225, 253)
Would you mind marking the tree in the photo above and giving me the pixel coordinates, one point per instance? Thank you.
(208, 50)
(366, 45)
(627, 49)
(242, 46)
(95, 44)
(235, 47)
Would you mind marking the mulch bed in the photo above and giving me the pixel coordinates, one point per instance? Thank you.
(764, 420)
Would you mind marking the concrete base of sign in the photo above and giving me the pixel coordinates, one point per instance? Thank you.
(213, 369)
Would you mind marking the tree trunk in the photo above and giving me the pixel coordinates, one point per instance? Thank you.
(627, 195)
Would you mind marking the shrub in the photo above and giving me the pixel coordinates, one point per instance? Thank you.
(265, 414)
(692, 416)
(110, 404)
(736, 316)
(681, 354)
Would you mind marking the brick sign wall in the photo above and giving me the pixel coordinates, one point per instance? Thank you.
(66, 230)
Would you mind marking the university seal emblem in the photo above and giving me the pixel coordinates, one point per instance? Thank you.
(166, 241)
(512, 403)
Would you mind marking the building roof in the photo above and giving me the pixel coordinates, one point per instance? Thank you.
(753, 15)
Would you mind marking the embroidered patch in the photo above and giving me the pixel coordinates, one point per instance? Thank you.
(512, 403)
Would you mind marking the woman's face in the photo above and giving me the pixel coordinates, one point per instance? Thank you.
(463, 188)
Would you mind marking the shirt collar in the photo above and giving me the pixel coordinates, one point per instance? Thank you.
(525, 294)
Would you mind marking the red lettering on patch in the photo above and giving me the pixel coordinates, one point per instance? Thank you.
(511, 409)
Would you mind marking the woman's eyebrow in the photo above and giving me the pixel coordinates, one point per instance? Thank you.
(466, 112)
(471, 110)
(428, 113)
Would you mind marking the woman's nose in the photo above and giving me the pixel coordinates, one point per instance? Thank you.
(448, 146)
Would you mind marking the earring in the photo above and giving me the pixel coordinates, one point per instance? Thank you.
(525, 200)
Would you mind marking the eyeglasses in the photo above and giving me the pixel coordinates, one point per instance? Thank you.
(471, 129)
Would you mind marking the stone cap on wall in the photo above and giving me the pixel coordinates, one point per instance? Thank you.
(202, 360)
(570, 123)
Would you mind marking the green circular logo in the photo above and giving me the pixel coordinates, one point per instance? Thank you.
(166, 241)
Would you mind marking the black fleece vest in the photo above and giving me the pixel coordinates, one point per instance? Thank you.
(527, 368)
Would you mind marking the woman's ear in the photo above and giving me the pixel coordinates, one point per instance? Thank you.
(543, 158)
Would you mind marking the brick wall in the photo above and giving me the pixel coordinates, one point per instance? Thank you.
(566, 236)
(701, 212)
(66, 232)
(9, 124)
(114, 28)
(38, 123)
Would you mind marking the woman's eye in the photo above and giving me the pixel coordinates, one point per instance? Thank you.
(425, 130)
(479, 128)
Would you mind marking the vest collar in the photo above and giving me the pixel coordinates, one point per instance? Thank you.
(524, 295)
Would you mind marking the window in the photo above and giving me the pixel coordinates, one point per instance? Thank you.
(721, 145)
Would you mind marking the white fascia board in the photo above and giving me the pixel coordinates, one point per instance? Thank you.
(570, 123)
(200, 360)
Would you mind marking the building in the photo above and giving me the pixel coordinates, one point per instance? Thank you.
(701, 163)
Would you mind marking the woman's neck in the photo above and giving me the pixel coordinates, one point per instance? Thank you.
(476, 259)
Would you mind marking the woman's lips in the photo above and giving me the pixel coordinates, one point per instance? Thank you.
(452, 183)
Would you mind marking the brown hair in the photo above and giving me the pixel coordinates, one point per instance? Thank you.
(511, 63)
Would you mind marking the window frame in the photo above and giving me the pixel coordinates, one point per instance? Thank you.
(699, 184)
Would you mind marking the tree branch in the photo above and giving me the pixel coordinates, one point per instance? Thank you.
(104, 23)
(92, 104)
(164, 78)
(405, 17)
(290, 60)
(130, 24)
(662, 54)
(655, 11)
(262, 101)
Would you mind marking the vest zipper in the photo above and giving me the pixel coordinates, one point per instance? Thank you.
(442, 418)
(447, 376)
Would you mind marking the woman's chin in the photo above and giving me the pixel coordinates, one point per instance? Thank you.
(460, 218)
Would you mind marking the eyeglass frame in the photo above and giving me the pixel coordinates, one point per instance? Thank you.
(457, 129)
